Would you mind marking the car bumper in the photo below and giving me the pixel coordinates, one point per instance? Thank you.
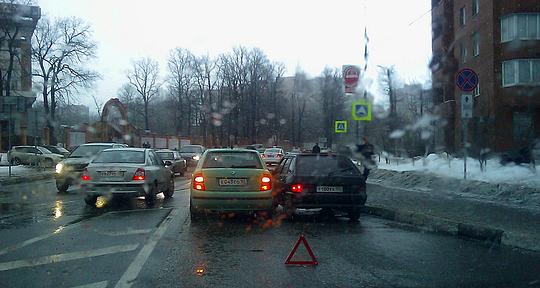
(100, 189)
(272, 160)
(68, 177)
(231, 201)
(325, 200)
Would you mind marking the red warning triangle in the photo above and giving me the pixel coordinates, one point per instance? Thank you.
(313, 260)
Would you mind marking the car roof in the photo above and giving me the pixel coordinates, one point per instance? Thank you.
(100, 144)
(230, 150)
(127, 149)
(165, 150)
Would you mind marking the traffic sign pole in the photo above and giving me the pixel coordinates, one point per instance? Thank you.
(465, 132)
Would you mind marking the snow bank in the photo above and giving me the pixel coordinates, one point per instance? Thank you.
(453, 168)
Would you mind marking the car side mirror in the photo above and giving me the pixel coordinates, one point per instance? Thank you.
(167, 163)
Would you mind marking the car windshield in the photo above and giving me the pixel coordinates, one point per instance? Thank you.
(319, 165)
(166, 155)
(44, 150)
(120, 156)
(396, 140)
(88, 150)
(190, 149)
(232, 160)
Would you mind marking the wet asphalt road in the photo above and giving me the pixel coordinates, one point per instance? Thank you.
(51, 240)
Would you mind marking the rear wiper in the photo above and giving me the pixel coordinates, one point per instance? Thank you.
(339, 171)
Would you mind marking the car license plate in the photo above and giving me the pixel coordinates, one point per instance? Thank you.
(111, 173)
(330, 189)
(233, 182)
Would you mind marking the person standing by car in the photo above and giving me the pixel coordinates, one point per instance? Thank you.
(316, 149)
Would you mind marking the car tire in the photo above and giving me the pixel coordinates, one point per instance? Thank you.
(353, 214)
(182, 173)
(194, 214)
(289, 208)
(150, 197)
(62, 187)
(90, 200)
(170, 190)
(15, 161)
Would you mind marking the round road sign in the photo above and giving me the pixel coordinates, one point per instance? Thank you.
(467, 79)
(351, 75)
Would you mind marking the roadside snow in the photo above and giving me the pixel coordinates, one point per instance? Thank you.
(3, 159)
(453, 168)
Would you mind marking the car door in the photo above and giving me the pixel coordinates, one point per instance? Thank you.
(33, 155)
(281, 174)
(160, 173)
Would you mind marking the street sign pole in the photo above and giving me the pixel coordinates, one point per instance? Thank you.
(466, 80)
(9, 137)
(465, 128)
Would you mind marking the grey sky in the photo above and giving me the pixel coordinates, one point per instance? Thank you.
(312, 34)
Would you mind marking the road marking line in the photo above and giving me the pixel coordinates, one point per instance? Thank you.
(128, 278)
(102, 284)
(66, 257)
(125, 233)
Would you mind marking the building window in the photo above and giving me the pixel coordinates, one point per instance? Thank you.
(521, 72)
(476, 91)
(463, 52)
(462, 16)
(476, 44)
(521, 126)
(475, 7)
(520, 26)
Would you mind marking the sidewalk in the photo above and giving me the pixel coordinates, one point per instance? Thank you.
(456, 206)
(20, 174)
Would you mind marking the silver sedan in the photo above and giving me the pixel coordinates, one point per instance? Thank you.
(127, 171)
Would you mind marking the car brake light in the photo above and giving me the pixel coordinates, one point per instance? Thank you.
(266, 183)
(280, 155)
(296, 188)
(85, 176)
(198, 182)
(139, 174)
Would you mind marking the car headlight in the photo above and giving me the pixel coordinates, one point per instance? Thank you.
(59, 168)
(196, 157)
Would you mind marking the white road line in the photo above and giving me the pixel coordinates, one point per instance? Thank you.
(125, 233)
(66, 257)
(128, 278)
(102, 284)
(37, 238)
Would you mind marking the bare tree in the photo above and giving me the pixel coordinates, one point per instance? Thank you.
(144, 76)
(180, 81)
(61, 51)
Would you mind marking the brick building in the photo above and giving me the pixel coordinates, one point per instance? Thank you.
(500, 40)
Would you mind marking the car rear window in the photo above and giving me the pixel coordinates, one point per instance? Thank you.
(115, 156)
(273, 150)
(191, 149)
(232, 160)
(325, 165)
(88, 150)
(166, 155)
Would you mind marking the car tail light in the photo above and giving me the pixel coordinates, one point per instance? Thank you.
(296, 188)
(139, 174)
(85, 176)
(266, 182)
(198, 182)
(263, 156)
(279, 155)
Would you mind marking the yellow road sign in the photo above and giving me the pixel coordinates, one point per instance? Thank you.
(340, 126)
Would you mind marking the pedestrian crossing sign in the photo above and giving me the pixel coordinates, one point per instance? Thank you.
(361, 110)
(341, 126)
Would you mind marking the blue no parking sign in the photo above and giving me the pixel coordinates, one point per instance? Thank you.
(467, 79)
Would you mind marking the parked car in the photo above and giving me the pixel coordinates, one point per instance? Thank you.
(179, 164)
(57, 150)
(33, 155)
(273, 155)
(192, 153)
(231, 180)
(259, 147)
(326, 181)
(68, 172)
(127, 171)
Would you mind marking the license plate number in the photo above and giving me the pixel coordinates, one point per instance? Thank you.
(111, 174)
(233, 182)
(330, 189)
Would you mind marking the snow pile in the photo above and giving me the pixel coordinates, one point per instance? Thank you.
(453, 168)
(3, 159)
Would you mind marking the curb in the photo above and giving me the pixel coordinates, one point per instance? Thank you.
(445, 226)
(23, 179)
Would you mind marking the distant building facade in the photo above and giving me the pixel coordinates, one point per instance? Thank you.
(17, 24)
(500, 40)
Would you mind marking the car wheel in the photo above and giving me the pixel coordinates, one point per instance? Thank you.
(182, 172)
(150, 197)
(16, 161)
(194, 214)
(289, 208)
(62, 187)
(353, 214)
(47, 163)
(90, 200)
(170, 190)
